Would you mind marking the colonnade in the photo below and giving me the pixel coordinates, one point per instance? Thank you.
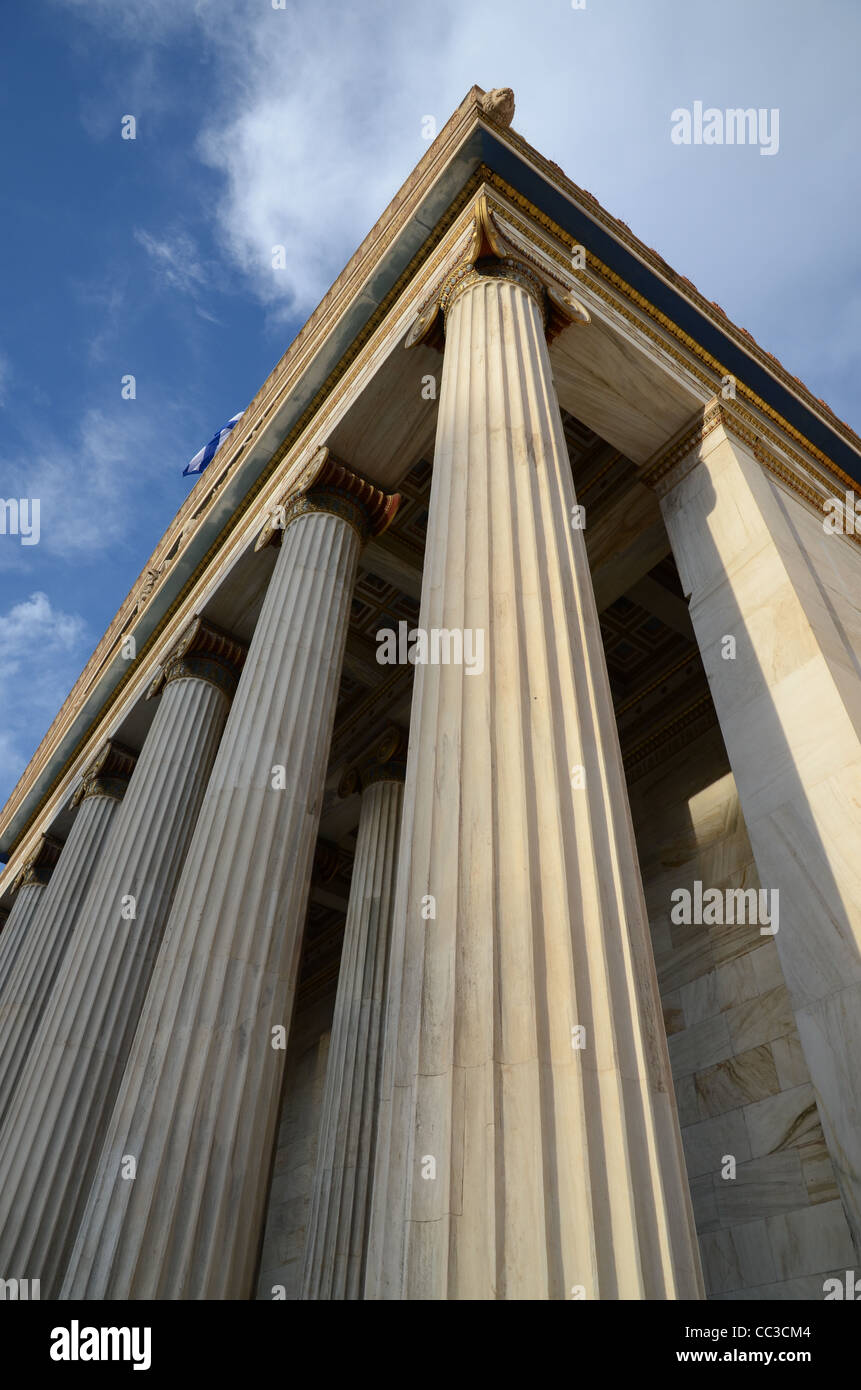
(498, 1118)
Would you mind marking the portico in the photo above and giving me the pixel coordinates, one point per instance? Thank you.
(503, 458)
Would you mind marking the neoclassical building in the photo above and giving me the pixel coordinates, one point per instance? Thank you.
(444, 880)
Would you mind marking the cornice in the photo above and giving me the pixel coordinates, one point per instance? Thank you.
(666, 469)
(609, 287)
(647, 256)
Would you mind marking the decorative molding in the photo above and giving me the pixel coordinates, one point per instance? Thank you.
(506, 268)
(325, 485)
(498, 106)
(108, 774)
(385, 763)
(38, 869)
(205, 653)
(490, 256)
(676, 459)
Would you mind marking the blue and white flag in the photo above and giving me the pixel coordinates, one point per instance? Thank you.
(205, 455)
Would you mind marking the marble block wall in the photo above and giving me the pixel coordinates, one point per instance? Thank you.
(778, 1229)
(296, 1152)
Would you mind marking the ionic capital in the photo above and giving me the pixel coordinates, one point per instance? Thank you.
(108, 774)
(385, 763)
(38, 868)
(203, 652)
(517, 272)
(329, 486)
(491, 257)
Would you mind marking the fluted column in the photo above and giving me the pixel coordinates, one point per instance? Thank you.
(28, 988)
(528, 1145)
(72, 1079)
(340, 1199)
(27, 889)
(199, 1102)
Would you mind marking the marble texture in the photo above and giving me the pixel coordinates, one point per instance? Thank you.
(761, 1187)
(707, 1142)
(783, 1121)
(760, 1020)
(804, 1242)
(739, 1081)
(700, 1046)
(739, 1257)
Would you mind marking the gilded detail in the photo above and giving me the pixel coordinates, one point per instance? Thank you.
(334, 489)
(108, 774)
(39, 867)
(203, 652)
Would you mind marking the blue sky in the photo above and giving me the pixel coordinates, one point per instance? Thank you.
(259, 126)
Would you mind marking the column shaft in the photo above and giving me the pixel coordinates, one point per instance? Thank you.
(510, 1163)
(199, 1101)
(27, 888)
(72, 1079)
(28, 989)
(14, 933)
(340, 1200)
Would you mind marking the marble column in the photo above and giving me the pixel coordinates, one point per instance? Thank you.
(72, 1079)
(27, 890)
(199, 1102)
(775, 601)
(528, 1144)
(28, 988)
(340, 1199)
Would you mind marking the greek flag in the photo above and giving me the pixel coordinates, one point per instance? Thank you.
(204, 456)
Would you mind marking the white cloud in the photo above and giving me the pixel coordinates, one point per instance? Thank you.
(176, 258)
(313, 116)
(152, 20)
(90, 485)
(44, 650)
(323, 125)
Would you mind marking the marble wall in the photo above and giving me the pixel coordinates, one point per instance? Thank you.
(778, 1228)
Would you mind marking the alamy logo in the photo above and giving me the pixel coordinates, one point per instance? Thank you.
(735, 126)
(847, 1288)
(20, 1289)
(717, 907)
(20, 517)
(441, 646)
(76, 1343)
(843, 514)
